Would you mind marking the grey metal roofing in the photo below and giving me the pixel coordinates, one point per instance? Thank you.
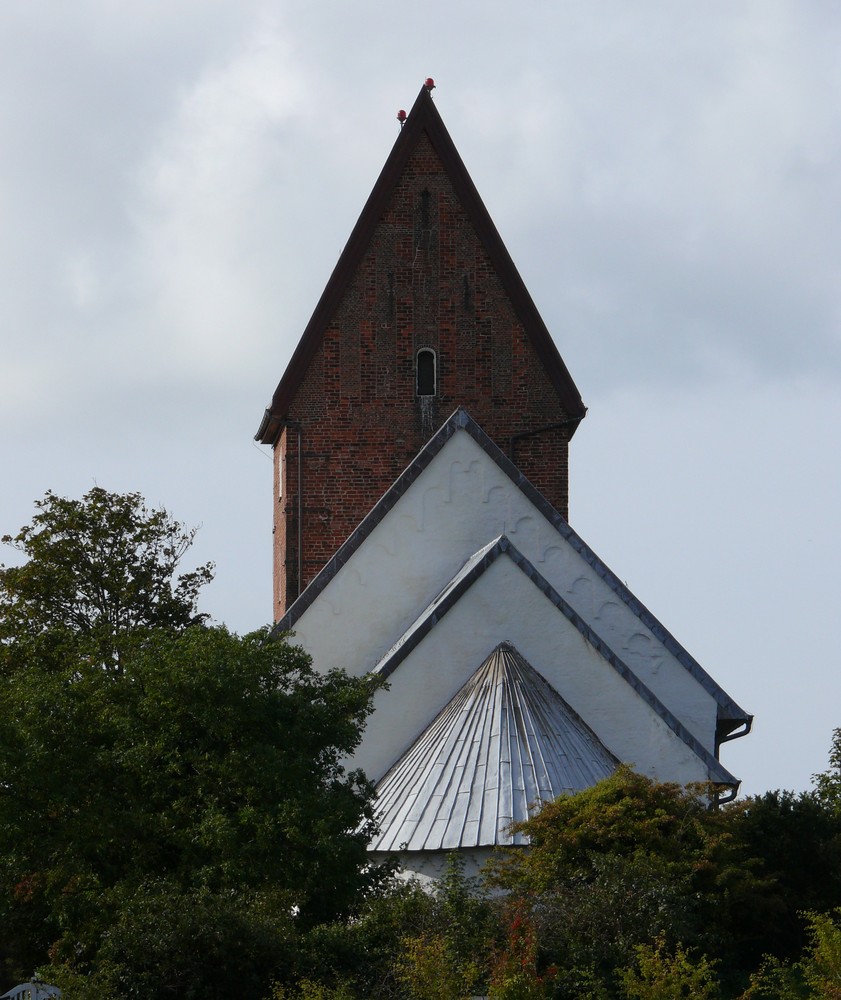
(423, 119)
(730, 714)
(505, 743)
(472, 570)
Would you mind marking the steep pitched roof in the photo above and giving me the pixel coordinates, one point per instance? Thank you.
(505, 743)
(730, 715)
(472, 571)
(423, 119)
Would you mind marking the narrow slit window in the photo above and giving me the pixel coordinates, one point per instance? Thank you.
(426, 372)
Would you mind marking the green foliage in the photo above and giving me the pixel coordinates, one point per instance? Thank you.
(822, 963)
(629, 859)
(431, 967)
(796, 841)
(816, 976)
(306, 989)
(594, 918)
(97, 569)
(388, 944)
(828, 783)
(207, 752)
(449, 955)
(617, 878)
(209, 762)
(192, 943)
(776, 980)
(462, 909)
(626, 814)
(167, 789)
(663, 975)
(363, 952)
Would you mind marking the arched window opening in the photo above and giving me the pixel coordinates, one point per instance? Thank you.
(426, 372)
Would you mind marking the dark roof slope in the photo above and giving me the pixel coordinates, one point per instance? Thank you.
(423, 119)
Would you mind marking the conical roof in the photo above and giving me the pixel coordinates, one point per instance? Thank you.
(506, 742)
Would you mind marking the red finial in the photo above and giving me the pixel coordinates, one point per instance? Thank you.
(401, 117)
(429, 83)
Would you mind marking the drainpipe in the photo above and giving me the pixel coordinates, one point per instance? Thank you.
(300, 517)
(722, 798)
(743, 730)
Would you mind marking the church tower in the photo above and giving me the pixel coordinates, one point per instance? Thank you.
(425, 312)
(420, 435)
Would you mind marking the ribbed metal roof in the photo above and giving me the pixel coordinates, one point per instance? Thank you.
(506, 742)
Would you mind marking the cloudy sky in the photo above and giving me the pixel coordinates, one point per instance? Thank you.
(177, 180)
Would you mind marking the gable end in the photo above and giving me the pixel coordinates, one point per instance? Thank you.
(423, 120)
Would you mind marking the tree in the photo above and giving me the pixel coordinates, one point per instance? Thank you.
(97, 569)
(619, 864)
(816, 976)
(448, 958)
(660, 975)
(164, 785)
(796, 841)
(403, 937)
(828, 783)
(207, 768)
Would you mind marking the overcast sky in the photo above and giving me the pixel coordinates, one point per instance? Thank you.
(177, 180)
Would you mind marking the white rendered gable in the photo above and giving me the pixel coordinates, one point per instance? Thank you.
(499, 599)
(461, 500)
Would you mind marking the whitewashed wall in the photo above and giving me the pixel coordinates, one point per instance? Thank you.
(505, 605)
(461, 501)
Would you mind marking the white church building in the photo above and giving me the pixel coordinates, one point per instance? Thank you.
(519, 667)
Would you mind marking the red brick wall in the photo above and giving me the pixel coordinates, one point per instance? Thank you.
(424, 282)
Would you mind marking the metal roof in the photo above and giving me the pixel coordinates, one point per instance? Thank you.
(505, 743)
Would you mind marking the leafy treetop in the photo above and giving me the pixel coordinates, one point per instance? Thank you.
(828, 783)
(98, 568)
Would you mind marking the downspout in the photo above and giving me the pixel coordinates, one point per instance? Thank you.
(300, 517)
(722, 798)
(743, 730)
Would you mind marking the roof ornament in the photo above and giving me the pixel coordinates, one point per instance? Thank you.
(429, 83)
(401, 117)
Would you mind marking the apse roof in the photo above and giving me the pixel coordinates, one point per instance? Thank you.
(423, 119)
(730, 714)
(472, 570)
(506, 742)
